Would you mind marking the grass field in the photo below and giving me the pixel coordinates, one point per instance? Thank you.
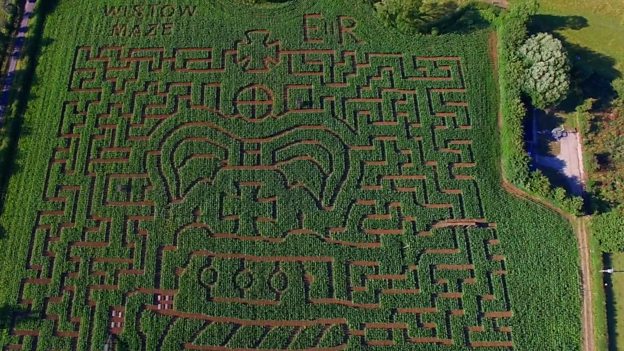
(601, 328)
(594, 25)
(209, 176)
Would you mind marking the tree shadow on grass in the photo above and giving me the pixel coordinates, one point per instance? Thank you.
(551, 23)
(12, 316)
(591, 77)
(592, 72)
(10, 156)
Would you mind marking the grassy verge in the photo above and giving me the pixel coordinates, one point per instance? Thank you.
(601, 332)
(617, 288)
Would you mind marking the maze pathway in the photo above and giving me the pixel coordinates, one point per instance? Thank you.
(262, 196)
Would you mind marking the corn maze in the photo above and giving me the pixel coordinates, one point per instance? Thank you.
(256, 193)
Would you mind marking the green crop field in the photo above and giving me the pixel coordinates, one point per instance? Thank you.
(210, 175)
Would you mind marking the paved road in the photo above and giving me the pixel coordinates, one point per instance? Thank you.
(16, 55)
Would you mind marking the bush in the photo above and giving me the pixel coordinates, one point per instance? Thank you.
(608, 228)
(410, 16)
(618, 88)
(256, 2)
(524, 9)
(512, 32)
(400, 14)
(539, 185)
(584, 116)
(546, 70)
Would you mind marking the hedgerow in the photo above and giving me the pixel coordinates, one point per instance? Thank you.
(607, 228)
(248, 180)
(512, 35)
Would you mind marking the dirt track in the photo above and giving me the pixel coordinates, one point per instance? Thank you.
(588, 304)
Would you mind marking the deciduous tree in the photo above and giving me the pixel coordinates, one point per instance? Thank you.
(546, 70)
(607, 228)
(413, 15)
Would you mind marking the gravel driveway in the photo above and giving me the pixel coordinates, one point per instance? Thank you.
(569, 162)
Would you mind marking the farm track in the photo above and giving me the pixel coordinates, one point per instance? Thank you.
(580, 228)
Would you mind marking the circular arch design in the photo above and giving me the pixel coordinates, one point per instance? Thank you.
(254, 103)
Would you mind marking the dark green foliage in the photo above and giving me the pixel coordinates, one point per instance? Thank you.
(14, 316)
(522, 10)
(434, 17)
(512, 33)
(8, 12)
(258, 2)
(546, 70)
(608, 228)
(604, 143)
(414, 16)
(402, 14)
(469, 17)
(539, 185)
(585, 117)
(8, 16)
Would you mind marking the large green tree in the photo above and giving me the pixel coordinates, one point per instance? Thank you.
(414, 15)
(546, 70)
(608, 229)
